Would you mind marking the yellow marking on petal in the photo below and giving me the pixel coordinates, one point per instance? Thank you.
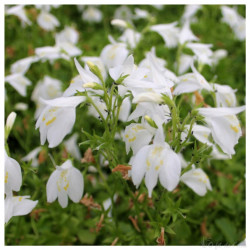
(52, 110)
(6, 177)
(50, 121)
(145, 76)
(72, 81)
(148, 163)
(66, 187)
(205, 135)
(132, 139)
(234, 128)
(43, 118)
(161, 162)
(127, 136)
(157, 150)
(228, 102)
(185, 80)
(157, 167)
(196, 173)
(58, 186)
(20, 198)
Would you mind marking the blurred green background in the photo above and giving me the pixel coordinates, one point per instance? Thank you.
(217, 218)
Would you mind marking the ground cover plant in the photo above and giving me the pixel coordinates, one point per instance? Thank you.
(125, 125)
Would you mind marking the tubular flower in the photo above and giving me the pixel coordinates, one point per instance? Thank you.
(65, 181)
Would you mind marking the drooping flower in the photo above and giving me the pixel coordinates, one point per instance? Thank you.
(186, 34)
(12, 175)
(32, 156)
(19, 82)
(130, 37)
(10, 122)
(156, 160)
(66, 181)
(17, 206)
(47, 21)
(19, 11)
(189, 12)
(72, 147)
(169, 33)
(197, 180)
(224, 125)
(21, 66)
(137, 135)
(57, 119)
(92, 14)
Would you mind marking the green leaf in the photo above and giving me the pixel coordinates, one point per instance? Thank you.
(228, 229)
(170, 230)
(86, 237)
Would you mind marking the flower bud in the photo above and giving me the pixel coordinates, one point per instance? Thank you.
(150, 121)
(119, 23)
(92, 85)
(9, 123)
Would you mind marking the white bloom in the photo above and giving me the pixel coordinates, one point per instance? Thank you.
(124, 13)
(114, 54)
(125, 109)
(156, 160)
(75, 85)
(202, 52)
(229, 16)
(197, 180)
(48, 88)
(47, 21)
(189, 12)
(21, 106)
(19, 82)
(130, 37)
(185, 63)
(57, 119)
(218, 55)
(10, 121)
(17, 205)
(22, 65)
(148, 97)
(169, 33)
(137, 135)
(65, 181)
(69, 48)
(224, 125)
(240, 29)
(13, 175)
(97, 61)
(225, 95)
(50, 53)
(191, 82)
(92, 14)
(186, 34)
(140, 13)
(32, 156)
(72, 147)
(68, 34)
(120, 23)
(19, 12)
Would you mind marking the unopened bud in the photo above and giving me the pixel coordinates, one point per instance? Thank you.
(9, 123)
(150, 121)
(119, 23)
(148, 97)
(92, 85)
(95, 70)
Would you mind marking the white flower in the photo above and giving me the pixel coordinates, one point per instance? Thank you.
(224, 125)
(48, 88)
(19, 12)
(22, 65)
(191, 82)
(47, 21)
(140, 13)
(156, 160)
(202, 52)
(240, 29)
(218, 55)
(229, 16)
(21, 106)
(97, 61)
(186, 34)
(148, 97)
(19, 82)
(185, 63)
(92, 14)
(169, 33)
(124, 13)
(10, 121)
(137, 135)
(50, 53)
(120, 23)
(32, 156)
(114, 54)
(68, 34)
(13, 175)
(72, 147)
(225, 95)
(130, 37)
(125, 109)
(197, 180)
(57, 119)
(65, 181)
(189, 12)
(17, 205)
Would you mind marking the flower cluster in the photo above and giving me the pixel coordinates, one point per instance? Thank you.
(138, 103)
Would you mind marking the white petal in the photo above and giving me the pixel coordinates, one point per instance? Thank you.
(139, 165)
(216, 112)
(51, 187)
(170, 172)
(63, 198)
(69, 101)
(23, 206)
(75, 189)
